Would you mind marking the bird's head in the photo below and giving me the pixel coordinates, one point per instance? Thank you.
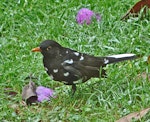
(48, 47)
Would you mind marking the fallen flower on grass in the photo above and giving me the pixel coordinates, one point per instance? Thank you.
(44, 93)
(32, 94)
(85, 15)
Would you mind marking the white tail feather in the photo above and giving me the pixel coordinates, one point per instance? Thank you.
(122, 55)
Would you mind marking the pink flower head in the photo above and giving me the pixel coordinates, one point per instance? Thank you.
(44, 93)
(85, 15)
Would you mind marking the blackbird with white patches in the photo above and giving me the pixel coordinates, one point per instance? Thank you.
(68, 66)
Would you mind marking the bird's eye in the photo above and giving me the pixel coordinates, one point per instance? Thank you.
(48, 47)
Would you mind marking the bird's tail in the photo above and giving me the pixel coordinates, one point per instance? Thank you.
(118, 58)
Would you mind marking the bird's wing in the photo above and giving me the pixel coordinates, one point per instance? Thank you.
(82, 65)
(81, 71)
(73, 70)
(82, 58)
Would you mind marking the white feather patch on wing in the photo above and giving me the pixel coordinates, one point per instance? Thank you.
(55, 70)
(106, 61)
(69, 61)
(66, 74)
(81, 58)
(76, 53)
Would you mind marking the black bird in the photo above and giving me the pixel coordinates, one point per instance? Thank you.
(70, 67)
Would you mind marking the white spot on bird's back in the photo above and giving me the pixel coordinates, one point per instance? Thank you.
(81, 58)
(55, 70)
(77, 82)
(65, 82)
(106, 61)
(67, 51)
(66, 74)
(46, 69)
(51, 76)
(122, 55)
(76, 53)
(69, 61)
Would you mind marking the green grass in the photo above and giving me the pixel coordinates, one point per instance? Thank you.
(24, 24)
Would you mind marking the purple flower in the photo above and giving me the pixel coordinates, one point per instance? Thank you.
(42, 98)
(44, 93)
(85, 15)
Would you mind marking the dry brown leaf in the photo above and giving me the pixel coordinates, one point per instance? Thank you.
(144, 75)
(29, 93)
(10, 92)
(137, 8)
(135, 115)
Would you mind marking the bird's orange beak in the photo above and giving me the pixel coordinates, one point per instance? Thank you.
(37, 49)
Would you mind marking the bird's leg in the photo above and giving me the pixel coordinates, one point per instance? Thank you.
(73, 89)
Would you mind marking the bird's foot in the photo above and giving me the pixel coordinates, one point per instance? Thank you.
(73, 89)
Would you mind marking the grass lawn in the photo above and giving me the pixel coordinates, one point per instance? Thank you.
(24, 24)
